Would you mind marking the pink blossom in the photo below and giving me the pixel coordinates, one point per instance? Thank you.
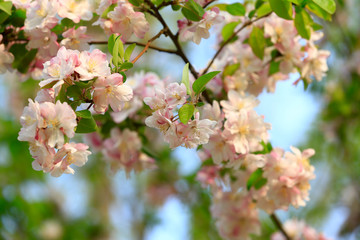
(6, 58)
(60, 120)
(158, 101)
(41, 14)
(244, 128)
(111, 90)
(75, 10)
(60, 67)
(31, 121)
(125, 21)
(44, 40)
(235, 215)
(129, 109)
(237, 103)
(123, 150)
(20, 4)
(195, 31)
(175, 95)
(315, 64)
(93, 64)
(160, 119)
(45, 95)
(70, 153)
(76, 38)
(208, 175)
(220, 150)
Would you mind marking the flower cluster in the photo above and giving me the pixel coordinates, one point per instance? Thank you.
(176, 133)
(285, 53)
(71, 66)
(46, 125)
(122, 19)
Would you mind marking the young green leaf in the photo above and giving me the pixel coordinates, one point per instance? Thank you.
(256, 179)
(111, 43)
(318, 11)
(263, 10)
(86, 125)
(185, 78)
(236, 9)
(186, 112)
(126, 65)
(228, 30)
(229, 70)
(199, 84)
(282, 8)
(118, 51)
(84, 114)
(257, 42)
(129, 51)
(192, 11)
(328, 5)
(6, 7)
(303, 23)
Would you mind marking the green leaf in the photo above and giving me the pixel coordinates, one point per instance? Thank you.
(186, 112)
(185, 78)
(228, 30)
(126, 65)
(328, 5)
(303, 23)
(297, 2)
(318, 11)
(221, 6)
(117, 50)
(236, 9)
(84, 84)
(62, 97)
(256, 179)
(129, 51)
(135, 2)
(17, 18)
(274, 67)
(257, 42)
(199, 84)
(66, 22)
(111, 43)
(192, 11)
(263, 10)
(74, 92)
(282, 8)
(84, 114)
(23, 58)
(175, 7)
(86, 125)
(230, 70)
(6, 7)
(3, 17)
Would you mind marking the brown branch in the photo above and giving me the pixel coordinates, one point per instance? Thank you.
(248, 23)
(148, 44)
(279, 225)
(140, 44)
(168, 32)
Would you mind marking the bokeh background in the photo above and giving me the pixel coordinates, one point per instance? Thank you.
(168, 203)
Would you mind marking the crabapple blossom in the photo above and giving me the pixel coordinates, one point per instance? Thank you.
(60, 67)
(195, 31)
(244, 128)
(315, 64)
(160, 119)
(44, 40)
(20, 4)
(41, 14)
(75, 10)
(76, 39)
(70, 153)
(123, 150)
(6, 58)
(235, 214)
(93, 64)
(237, 103)
(45, 95)
(111, 90)
(30, 120)
(125, 21)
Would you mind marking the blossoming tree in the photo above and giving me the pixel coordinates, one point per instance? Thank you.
(86, 90)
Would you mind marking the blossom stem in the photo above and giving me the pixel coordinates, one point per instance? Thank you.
(279, 225)
(148, 44)
(248, 23)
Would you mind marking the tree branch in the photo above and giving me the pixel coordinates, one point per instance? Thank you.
(140, 44)
(279, 225)
(229, 40)
(179, 51)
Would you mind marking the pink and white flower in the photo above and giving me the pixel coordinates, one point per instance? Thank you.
(41, 14)
(76, 39)
(111, 90)
(93, 64)
(75, 10)
(6, 58)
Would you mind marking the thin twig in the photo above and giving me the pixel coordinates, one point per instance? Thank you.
(148, 44)
(140, 44)
(168, 32)
(279, 225)
(229, 40)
